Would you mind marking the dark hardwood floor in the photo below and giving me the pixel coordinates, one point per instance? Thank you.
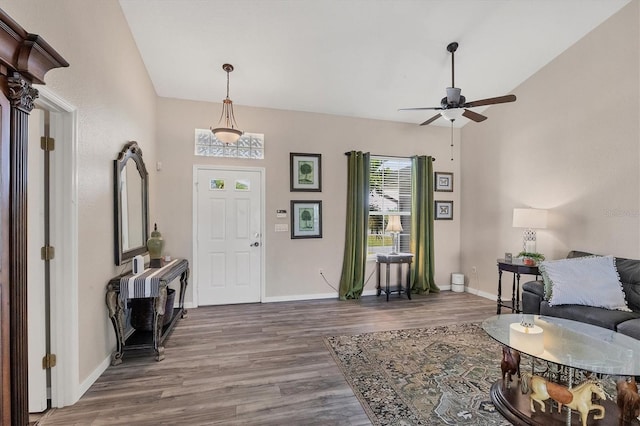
(256, 364)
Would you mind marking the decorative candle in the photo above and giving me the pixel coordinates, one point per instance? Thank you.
(529, 340)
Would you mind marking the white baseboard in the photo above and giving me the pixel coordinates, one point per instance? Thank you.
(296, 297)
(481, 293)
(372, 292)
(86, 384)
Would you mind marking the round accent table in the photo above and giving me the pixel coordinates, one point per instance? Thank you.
(570, 345)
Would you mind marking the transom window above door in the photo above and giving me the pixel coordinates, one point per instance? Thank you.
(249, 146)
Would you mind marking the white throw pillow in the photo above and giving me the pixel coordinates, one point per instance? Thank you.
(590, 281)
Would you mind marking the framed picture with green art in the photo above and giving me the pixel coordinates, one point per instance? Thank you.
(305, 172)
(306, 219)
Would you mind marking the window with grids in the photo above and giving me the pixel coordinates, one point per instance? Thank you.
(249, 146)
(389, 194)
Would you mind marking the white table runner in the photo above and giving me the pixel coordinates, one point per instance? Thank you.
(146, 284)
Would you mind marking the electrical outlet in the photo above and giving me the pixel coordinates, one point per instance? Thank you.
(320, 271)
(474, 269)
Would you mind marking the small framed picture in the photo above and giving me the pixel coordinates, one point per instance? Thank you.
(306, 219)
(443, 210)
(508, 257)
(305, 172)
(443, 182)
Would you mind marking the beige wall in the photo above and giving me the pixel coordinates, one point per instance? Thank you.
(569, 144)
(290, 269)
(115, 101)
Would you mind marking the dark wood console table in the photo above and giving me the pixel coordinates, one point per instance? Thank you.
(156, 288)
(517, 269)
(388, 260)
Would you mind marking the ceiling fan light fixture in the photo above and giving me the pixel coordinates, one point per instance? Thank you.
(228, 132)
(452, 114)
(454, 105)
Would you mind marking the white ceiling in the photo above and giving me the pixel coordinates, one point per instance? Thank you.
(360, 58)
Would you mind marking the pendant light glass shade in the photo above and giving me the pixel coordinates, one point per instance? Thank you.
(228, 132)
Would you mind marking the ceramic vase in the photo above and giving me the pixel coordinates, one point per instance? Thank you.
(155, 244)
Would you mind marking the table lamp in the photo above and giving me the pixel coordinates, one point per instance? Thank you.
(394, 227)
(530, 219)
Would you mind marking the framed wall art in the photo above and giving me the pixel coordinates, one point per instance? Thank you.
(443, 182)
(305, 172)
(443, 210)
(306, 219)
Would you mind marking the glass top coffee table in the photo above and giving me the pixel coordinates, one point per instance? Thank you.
(566, 343)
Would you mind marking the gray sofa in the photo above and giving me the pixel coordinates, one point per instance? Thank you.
(533, 301)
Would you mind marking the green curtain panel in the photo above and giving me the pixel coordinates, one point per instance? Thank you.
(355, 244)
(422, 280)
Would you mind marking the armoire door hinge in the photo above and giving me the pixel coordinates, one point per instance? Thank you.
(47, 144)
(47, 253)
(48, 361)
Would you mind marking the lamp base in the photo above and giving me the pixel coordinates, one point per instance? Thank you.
(394, 247)
(530, 246)
(529, 240)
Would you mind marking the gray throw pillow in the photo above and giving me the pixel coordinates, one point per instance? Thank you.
(590, 281)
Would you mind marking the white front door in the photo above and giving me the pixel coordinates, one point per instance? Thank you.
(228, 243)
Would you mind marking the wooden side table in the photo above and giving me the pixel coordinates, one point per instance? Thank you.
(145, 340)
(517, 269)
(388, 260)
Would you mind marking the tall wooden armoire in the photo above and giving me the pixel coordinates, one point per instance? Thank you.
(24, 60)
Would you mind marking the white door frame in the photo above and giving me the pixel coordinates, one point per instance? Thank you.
(65, 382)
(194, 239)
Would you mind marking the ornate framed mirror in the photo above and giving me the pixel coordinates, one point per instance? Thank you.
(131, 203)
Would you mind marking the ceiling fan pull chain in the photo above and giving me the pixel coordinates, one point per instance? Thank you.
(452, 139)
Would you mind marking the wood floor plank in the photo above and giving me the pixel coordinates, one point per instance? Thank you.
(256, 364)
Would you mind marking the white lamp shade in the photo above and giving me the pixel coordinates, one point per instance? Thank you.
(530, 218)
(394, 224)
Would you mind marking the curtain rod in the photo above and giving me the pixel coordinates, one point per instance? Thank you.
(393, 156)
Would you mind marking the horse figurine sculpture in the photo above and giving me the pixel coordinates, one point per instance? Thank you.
(577, 398)
(628, 401)
(510, 364)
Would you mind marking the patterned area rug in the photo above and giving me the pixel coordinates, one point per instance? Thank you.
(432, 376)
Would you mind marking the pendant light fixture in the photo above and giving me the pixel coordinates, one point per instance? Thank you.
(228, 133)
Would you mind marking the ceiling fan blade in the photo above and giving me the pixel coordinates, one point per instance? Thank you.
(491, 101)
(471, 115)
(418, 109)
(431, 120)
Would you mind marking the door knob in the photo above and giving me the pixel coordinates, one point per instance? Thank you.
(256, 244)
